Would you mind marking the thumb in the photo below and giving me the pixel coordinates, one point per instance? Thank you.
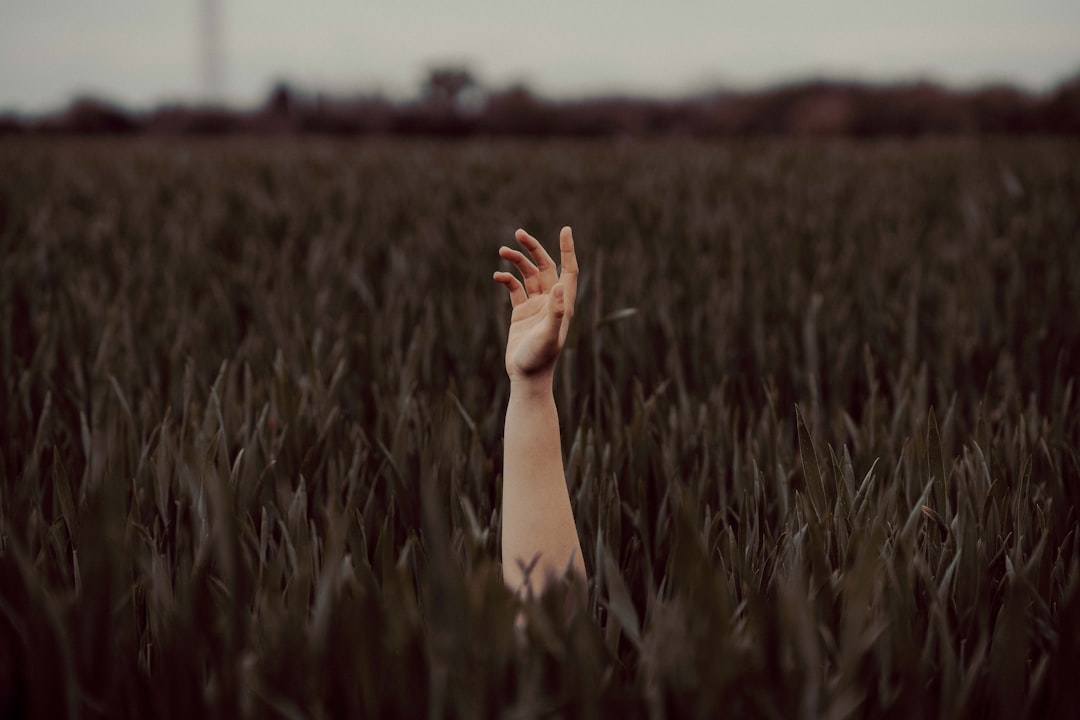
(557, 308)
(558, 300)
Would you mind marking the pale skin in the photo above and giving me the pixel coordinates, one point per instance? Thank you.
(537, 520)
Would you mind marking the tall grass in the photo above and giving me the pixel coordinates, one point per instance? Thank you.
(819, 413)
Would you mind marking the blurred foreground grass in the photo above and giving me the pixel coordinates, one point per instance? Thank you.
(819, 410)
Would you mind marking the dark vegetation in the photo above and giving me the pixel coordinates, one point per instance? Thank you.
(819, 411)
(452, 104)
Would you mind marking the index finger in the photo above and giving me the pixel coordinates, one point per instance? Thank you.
(569, 276)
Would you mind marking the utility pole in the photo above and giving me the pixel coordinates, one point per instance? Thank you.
(211, 54)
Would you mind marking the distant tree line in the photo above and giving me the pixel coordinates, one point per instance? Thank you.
(452, 104)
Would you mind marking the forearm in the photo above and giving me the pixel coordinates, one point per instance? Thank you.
(537, 520)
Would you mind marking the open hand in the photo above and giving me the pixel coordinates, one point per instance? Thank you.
(543, 305)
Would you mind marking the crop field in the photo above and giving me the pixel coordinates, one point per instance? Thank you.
(819, 411)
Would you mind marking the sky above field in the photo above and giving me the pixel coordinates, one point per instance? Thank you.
(141, 53)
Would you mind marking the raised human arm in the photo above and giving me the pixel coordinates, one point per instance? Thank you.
(538, 527)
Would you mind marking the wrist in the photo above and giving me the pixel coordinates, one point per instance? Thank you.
(535, 385)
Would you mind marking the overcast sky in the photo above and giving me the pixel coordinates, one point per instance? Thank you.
(142, 52)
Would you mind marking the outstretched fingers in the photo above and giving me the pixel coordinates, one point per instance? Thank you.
(529, 273)
(513, 286)
(548, 271)
(540, 275)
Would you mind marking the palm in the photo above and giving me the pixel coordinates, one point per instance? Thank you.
(531, 344)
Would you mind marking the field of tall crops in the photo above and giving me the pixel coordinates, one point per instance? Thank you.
(819, 411)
